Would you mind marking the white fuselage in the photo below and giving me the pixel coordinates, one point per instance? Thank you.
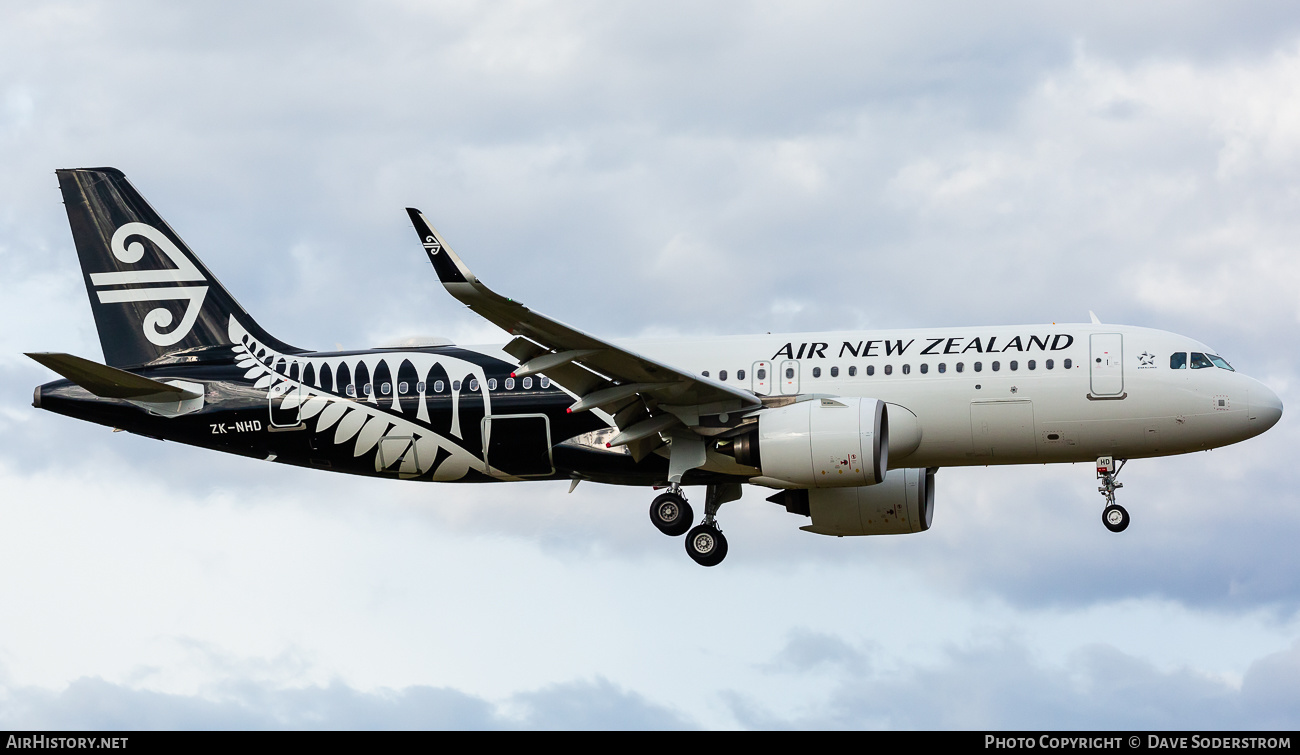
(1005, 394)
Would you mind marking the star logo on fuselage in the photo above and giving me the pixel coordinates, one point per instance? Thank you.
(1147, 359)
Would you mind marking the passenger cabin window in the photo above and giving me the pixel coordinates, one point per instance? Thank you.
(871, 369)
(403, 388)
(455, 385)
(889, 369)
(943, 367)
(1178, 360)
(1050, 364)
(907, 369)
(351, 390)
(510, 384)
(925, 368)
(366, 389)
(762, 374)
(492, 384)
(740, 374)
(528, 384)
(835, 372)
(817, 372)
(545, 382)
(386, 388)
(961, 366)
(979, 366)
(1068, 364)
(722, 375)
(853, 371)
(473, 384)
(705, 373)
(437, 386)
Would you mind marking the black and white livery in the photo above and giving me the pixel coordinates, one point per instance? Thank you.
(847, 429)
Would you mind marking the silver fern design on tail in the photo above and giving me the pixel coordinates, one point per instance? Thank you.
(373, 424)
(185, 271)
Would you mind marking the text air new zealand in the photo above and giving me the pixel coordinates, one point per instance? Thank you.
(848, 428)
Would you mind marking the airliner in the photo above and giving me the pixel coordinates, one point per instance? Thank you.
(845, 429)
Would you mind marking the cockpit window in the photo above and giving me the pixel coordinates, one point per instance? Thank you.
(1178, 361)
(1220, 362)
(1200, 361)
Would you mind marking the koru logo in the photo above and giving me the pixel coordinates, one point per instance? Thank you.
(431, 244)
(185, 271)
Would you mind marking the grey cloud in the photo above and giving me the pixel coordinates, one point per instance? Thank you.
(92, 703)
(807, 651)
(1002, 685)
(593, 706)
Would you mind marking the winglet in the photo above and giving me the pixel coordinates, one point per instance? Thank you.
(445, 262)
(109, 382)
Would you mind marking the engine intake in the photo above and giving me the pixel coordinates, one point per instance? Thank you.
(902, 504)
(819, 443)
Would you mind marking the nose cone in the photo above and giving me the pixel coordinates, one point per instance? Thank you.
(1265, 407)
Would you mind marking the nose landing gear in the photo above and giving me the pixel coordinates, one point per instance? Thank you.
(1114, 516)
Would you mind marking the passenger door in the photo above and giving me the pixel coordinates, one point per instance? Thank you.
(1106, 364)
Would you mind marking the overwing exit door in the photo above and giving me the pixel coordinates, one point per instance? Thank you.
(762, 378)
(789, 377)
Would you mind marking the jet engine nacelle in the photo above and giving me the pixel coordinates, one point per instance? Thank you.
(901, 504)
(819, 443)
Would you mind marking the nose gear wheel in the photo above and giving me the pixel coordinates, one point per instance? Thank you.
(1115, 518)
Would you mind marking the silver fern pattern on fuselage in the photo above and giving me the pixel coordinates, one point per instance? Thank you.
(374, 424)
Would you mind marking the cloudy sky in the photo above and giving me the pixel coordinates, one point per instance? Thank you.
(656, 170)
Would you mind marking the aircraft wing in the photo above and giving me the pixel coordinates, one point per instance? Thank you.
(645, 396)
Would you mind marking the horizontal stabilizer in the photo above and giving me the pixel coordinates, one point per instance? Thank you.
(109, 382)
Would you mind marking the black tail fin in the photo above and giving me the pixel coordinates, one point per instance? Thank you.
(150, 294)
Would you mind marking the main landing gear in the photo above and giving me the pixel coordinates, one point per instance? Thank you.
(1114, 516)
(672, 515)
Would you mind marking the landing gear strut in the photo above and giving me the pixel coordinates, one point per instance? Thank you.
(705, 543)
(672, 515)
(1113, 516)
